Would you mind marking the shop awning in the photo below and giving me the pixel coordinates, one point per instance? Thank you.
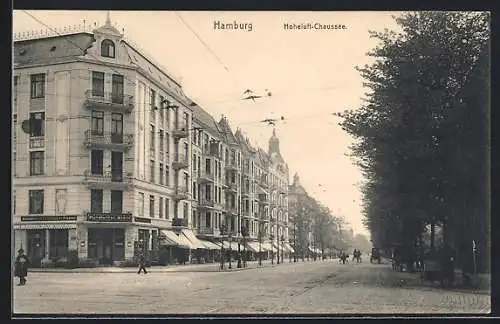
(195, 242)
(267, 247)
(209, 245)
(252, 246)
(170, 238)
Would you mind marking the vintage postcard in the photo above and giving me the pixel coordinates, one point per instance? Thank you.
(250, 163)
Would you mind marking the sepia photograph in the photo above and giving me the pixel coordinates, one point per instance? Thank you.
(250, 163)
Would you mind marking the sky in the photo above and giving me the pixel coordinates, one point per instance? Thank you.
(309, 73)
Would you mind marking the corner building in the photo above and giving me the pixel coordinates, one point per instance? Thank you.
(110, 155)
(101, 147)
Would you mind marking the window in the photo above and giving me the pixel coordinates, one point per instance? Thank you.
(162, 143)
(186, 154)
(117, 88)
(207, 219)
(186, 180)
(96, 160)
(97, 84)
(152, 171)
(194, 190)
(14, 92)
(185, 210)
(185, 121)
(116, 166)
(160, 204)
(36, 201)
(152, 206)
(108, 48)
(152, 101)
(37, 124)
(96, 200)
(208, 191)
(167, 208)
(167, 175)
(37, 162)
(117, 128)
(97, 123)
(207, 166)
(14, 131)
(140, 205)
(152, 139)
(167, 142)
(37, 86)
(161, 173)
(162, 109)
(116, 201)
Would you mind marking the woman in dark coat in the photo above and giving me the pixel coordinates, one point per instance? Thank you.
(21, 268)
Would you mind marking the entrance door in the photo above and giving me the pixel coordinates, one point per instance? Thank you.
(36, 246)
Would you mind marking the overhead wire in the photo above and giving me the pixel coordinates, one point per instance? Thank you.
(133, 81)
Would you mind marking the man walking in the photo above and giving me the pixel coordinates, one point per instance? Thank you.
(142, 263)
(21, 267)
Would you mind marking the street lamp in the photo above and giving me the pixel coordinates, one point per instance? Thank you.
(271, 237)
(282, 248)
(244, 233)
(230, 233)
(222, 233)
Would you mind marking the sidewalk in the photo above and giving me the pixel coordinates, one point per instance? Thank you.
(207, 267)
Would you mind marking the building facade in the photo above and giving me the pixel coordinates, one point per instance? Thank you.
(109, 154)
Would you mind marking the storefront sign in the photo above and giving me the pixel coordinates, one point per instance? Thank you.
(142, 220)
(47, 218)
(108, 217)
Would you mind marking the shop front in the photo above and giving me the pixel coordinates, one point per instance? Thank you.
(45, 238)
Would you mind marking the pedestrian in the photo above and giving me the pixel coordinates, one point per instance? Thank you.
(21, 267)
(142, 263)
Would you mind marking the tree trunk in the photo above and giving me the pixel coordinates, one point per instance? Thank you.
(433, 236)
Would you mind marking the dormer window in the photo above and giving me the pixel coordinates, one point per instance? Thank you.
(107, 48)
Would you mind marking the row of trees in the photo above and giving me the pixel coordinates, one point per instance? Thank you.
(422, 135)
(317, 227)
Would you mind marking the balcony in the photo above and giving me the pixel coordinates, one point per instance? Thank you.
(208, 231)
(181, 193)
(180, 162)
(231, 186)
(263, 183)
(231, 210)
(180, 222)
(206, 177)
(206, 203)
(103, 140)
(37, 142)
(231, 165)
(108, 101)
(109, 217)
(108, 180)
(180, 131)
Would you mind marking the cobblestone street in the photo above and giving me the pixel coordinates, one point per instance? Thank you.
(325, 287)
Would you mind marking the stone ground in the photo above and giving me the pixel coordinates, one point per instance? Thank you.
(323, 287)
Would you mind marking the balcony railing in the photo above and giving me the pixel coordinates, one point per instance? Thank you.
(112, 140)
(180, 131)
(231, 209)
(109, 100)
(208, 231)
(180, 162)
(232, 186)
(206, 177)
(231, 164)
(207, 203)
(119, 179)
(37, 142)
(181, 193)
(180, 222)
